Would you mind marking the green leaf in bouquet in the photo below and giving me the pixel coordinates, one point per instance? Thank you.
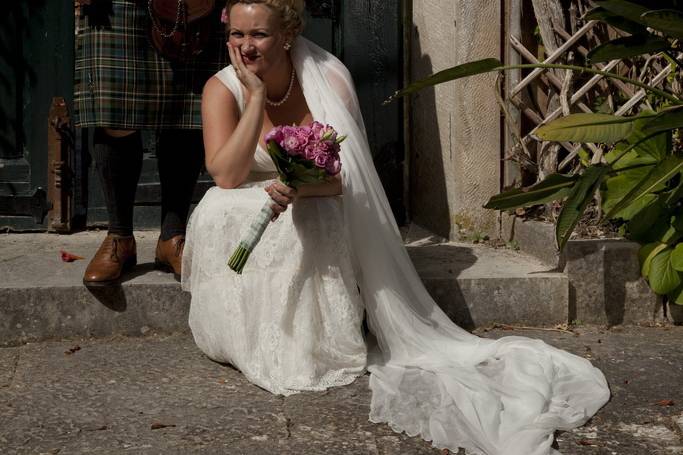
(278, 157)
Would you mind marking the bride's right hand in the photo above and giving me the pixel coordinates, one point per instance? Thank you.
(248, 78)
(282, 195)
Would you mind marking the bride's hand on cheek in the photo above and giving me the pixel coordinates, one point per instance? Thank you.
(282, 195)
(248, 78)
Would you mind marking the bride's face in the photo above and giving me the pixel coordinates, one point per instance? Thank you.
(255, 30)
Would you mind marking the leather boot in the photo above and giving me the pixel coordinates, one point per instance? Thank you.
(114, 256)
(169, 255)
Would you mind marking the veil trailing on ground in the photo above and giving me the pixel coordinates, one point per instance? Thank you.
(429, 376)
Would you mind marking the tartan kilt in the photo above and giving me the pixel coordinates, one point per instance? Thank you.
(121, 81)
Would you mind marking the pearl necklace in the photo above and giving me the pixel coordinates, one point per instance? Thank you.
(289, 92)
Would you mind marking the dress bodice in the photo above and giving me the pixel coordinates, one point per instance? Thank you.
(261, 161)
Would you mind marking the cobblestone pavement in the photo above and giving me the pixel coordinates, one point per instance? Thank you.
(159, 395)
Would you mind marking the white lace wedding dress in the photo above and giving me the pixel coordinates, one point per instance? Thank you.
(292, 321)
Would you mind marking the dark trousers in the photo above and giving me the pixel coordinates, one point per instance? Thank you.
(180, 154)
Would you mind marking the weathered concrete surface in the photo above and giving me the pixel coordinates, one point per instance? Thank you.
(534, 238)
(455, 135)
(605, 286)
(42, 297)
(110, 395)
(478, 285)
(107, 396)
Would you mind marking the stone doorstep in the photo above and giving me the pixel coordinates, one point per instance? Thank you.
(604, 275)
(42, 297)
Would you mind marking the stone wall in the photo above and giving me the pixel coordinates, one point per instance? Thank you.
(455, 135)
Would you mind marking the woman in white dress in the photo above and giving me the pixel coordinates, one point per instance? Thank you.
(292, 321)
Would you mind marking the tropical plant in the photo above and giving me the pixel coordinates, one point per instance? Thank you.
(641, 178)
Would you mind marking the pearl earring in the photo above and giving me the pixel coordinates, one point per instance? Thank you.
(287, 46)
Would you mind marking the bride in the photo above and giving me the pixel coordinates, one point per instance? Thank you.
(293, 320)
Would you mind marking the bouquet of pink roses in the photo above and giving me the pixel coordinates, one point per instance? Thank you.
(302, 154)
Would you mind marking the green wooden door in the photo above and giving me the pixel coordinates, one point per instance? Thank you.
(38, 64)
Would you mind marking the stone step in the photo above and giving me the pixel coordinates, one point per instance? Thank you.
(478, 286)
(42, 297)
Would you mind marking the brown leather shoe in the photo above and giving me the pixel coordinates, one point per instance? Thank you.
(169, 255)
(114, 256)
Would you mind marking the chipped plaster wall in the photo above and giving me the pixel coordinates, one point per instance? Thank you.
(455, 136)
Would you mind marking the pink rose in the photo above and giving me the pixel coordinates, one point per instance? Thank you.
(303, 135)
(275, 135)
(291, 144)
(310, 151)
(318, 130)
(333, 166)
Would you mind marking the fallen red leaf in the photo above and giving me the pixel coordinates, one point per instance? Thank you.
(69, 257)
(665, 403)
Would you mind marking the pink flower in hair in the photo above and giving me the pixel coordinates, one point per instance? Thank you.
(224, 15)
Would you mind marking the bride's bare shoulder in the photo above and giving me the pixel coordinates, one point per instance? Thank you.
(216, 93)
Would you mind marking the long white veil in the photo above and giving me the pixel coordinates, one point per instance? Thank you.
(429, 376)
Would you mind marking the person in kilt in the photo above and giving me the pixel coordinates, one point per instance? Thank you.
(122, 86)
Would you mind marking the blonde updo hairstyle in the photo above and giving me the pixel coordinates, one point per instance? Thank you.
(291, 12)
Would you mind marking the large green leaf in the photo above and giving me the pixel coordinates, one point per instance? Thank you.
(615, 20)
(578, 200)
(667, 120)
(632, 168)
(457, 72)
(658, 176)
(667, 21)
(628, 10)
(626, 47)
(646, 253)
(617, 186)
(553, 188)
(584, 127)
(657, 147)
(662, 276)
(643, 215)
(675, 195)
(676, 296)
